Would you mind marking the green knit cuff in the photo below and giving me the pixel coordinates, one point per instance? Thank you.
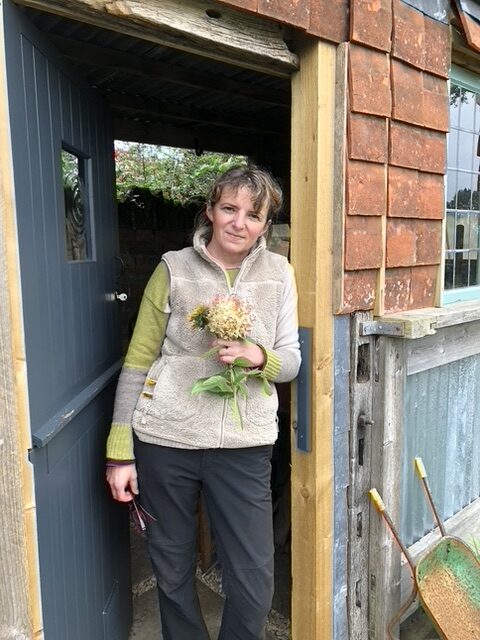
(273, 364)
(120, 442)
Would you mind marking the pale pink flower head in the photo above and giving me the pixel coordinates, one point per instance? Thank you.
(229, 318)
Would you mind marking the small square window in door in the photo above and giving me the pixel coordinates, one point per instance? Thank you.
(78, 236)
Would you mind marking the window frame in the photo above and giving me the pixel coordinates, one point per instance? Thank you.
(85, 174)
(470, 81)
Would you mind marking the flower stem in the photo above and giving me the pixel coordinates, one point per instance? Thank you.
(236, 409)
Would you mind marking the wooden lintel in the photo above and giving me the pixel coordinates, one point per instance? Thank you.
(201, 27)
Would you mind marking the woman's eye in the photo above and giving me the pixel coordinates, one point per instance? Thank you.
(254, 216)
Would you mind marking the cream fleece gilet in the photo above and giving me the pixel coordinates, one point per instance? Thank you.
(166, 411)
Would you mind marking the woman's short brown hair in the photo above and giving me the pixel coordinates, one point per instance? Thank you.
(265, 190)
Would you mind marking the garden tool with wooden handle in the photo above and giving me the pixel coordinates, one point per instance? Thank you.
(380, 507)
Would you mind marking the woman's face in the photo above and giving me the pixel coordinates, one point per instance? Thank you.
(236, 226)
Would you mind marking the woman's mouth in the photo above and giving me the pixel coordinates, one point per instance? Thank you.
(234, 236)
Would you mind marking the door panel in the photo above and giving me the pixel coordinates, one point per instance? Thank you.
(72, 338)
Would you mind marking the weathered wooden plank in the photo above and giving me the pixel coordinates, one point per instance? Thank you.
(201, 27)
(14, 601)
(384, 560)
(342, 369)
(447, 345)
(339, 177)
(379, 307)
(18, 616)
(434, 317)
(361, 389)
(313, 121)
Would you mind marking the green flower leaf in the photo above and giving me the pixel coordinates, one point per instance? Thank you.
(211, 352)
(213, 384)
(266, 389)
(241, 362)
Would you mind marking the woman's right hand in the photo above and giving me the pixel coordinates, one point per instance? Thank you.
(123, 482)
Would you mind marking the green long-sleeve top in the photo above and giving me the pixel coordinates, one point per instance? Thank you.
(144, 349)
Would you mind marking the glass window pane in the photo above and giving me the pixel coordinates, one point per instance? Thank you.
(477, 112)
(466, 146)
(77, 222)
(455, 96)
(450, 230)
(462, 233)
(468, 105)
(452, 148)
(452, 187)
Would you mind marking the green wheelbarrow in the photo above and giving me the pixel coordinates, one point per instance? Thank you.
(446, 578)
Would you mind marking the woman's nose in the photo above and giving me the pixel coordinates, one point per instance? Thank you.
(239, 220)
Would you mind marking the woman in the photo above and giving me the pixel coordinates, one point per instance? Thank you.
(186, 443)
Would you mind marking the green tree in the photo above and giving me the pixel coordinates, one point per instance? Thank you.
(180, 175)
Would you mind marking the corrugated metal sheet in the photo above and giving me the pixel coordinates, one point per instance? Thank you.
(442, 425)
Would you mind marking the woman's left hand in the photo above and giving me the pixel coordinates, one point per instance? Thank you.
(229, 351)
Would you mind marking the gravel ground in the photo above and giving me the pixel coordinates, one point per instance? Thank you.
(278, 626)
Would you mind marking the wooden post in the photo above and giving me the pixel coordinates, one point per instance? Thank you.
(360, 443)
(313, 117)
(384, 562)
(20, 614)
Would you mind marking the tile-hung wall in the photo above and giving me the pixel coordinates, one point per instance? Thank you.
(399, 63)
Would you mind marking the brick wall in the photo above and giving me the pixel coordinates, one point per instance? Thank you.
(398, 66)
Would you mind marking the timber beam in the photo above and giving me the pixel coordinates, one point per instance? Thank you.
(155, 108)
(149, 68)
(200, 27)
(132, 130)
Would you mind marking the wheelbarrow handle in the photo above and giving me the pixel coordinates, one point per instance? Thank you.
(422, 474)
(376, 498)
(380, 507)
(377, 501)
(420, 468)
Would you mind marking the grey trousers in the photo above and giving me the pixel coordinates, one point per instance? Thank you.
(236, 489)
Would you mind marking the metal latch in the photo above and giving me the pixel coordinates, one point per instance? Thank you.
(378, 328)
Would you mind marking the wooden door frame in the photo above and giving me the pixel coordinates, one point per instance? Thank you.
(313, 128)
(19, 572)
(313, 124)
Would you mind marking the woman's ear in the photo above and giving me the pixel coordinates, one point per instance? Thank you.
(209, 212)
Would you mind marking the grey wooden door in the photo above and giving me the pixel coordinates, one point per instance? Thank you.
(72, 337)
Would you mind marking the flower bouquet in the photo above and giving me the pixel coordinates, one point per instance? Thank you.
(228, 318)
